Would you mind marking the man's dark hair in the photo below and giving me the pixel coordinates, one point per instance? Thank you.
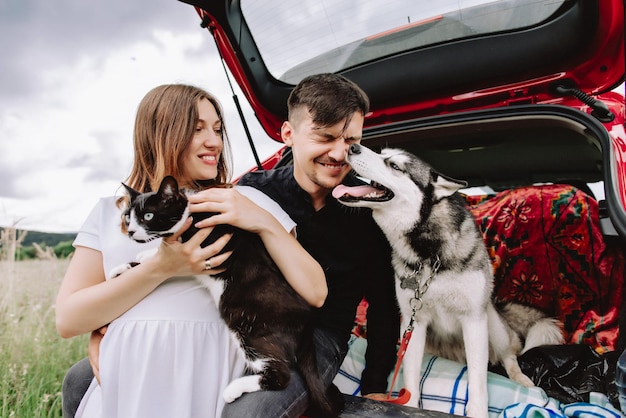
(328, 98)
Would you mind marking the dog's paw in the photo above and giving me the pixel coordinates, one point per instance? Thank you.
(523, 380)
(414, 400)
(476, 410)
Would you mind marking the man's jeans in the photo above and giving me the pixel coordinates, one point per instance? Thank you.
(75, 384)
(331, 347)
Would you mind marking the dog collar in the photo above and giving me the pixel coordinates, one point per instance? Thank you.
(412, 281)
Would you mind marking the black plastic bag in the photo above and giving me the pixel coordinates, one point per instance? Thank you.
(569, 373)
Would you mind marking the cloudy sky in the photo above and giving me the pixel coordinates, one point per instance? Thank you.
(72, 73)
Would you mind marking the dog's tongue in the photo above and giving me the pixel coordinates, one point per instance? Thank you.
(355, 191)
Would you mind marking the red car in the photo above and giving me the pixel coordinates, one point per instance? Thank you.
(503, 94)
(514, 96)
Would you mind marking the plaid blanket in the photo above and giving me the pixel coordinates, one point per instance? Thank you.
(443, 388)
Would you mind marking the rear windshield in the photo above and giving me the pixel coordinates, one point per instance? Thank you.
(297, 38)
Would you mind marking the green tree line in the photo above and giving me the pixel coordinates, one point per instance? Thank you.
(59, 244)
(61, 250)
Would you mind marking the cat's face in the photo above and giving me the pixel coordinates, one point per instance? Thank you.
(155, 214)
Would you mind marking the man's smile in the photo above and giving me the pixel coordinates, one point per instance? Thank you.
(332, 165)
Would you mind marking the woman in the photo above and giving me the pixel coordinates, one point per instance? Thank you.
(166, 351)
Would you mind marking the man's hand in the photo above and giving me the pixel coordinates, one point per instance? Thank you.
(376, 396)
(93, 350)
(402, 398)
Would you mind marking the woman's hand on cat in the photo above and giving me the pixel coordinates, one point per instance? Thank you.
(176, 258)
(233, 208)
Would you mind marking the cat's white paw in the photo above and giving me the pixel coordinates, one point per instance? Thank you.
(238, 387)
(230, 394)
(116, 271)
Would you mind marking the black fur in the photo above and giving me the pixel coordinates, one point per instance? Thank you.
(269, 318)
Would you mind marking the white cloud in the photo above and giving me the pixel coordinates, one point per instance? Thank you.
(69, 141)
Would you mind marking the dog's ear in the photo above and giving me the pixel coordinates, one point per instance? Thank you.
(446, 186)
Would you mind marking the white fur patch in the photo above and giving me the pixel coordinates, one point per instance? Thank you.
(116, 271)
(215, 286)
(141, 256)
(545, 332)
(238, 387)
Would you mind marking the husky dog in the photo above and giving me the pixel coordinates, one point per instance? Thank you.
(443, 274)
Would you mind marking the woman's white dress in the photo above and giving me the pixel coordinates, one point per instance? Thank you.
(171, 355)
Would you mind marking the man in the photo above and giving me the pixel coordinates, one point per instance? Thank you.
(326, 115)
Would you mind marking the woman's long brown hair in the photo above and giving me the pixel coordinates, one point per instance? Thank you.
(164, 128)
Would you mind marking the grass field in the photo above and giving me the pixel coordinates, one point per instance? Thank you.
(33, 358)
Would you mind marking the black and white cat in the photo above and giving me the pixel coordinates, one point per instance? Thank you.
(270, 321)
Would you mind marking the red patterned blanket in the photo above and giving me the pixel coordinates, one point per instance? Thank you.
(548, 251)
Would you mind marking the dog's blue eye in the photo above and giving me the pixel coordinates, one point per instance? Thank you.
(148, 216)
(127, 219)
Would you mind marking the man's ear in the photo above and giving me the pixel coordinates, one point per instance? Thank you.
(286, 133)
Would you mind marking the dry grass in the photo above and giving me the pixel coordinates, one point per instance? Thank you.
(33, 358)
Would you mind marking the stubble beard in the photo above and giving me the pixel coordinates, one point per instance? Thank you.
(328, 182)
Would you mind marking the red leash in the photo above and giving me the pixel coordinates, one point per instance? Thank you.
(404, 395)
(416, 304)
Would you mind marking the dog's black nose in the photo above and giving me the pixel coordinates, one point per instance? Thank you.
(354, 149)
